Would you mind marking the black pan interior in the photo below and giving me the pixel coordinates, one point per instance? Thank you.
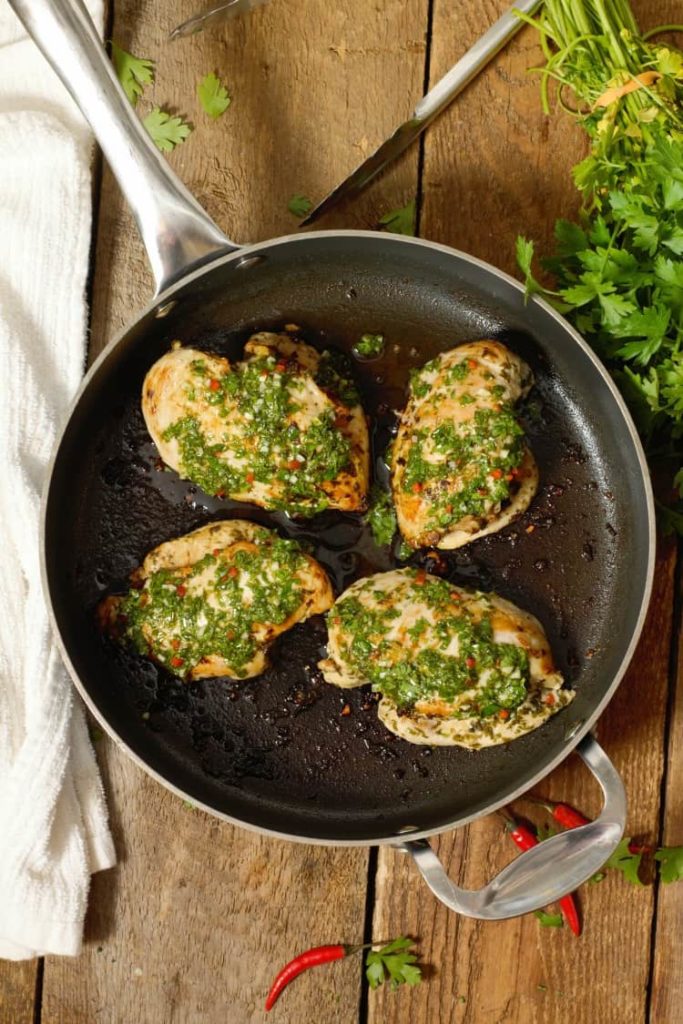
(277, 752)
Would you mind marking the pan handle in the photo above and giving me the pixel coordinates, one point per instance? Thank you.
(548, 871)
(177, 233)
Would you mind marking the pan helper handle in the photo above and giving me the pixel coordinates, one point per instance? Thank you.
(548, 871)
(177, 233)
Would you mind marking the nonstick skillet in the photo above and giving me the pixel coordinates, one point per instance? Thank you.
(275, 754)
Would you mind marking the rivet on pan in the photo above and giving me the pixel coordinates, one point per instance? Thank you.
(244, 262)
(574, 728)
(165, 309)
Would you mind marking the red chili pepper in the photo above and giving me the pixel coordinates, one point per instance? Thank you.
(564, 814)
(177, 662)
(417, 487)
(472, 363)
(181, 590)
(250, 478)
(496, 474)
(214, 384)
(571, 818)
(281, 366)
(525, 840)
(470, 662)
(311, 958)
(293, 464)
(233, 571)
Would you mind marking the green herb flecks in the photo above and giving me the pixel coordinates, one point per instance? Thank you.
(422, 664)
(184, 616)
(381, 516)
(369, 346)
(263, 444)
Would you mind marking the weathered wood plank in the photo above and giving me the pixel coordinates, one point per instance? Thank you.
(17, 991)
(667, 976)
(494, 167)
(197, 916)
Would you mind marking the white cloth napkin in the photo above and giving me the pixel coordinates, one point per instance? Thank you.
(53, 819)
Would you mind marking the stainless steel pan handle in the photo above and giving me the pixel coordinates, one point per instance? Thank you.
(549, 871)
(176, 231)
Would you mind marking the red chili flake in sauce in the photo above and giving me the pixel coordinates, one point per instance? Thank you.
(250, 478)
(504, 714)
(550, 699)
(181, 590)
(281, 367)
(293, 464)
(346, 710)
(215, 552)
(175, 644)
(177, 662)
(421, 578)
(470, 662)
(417, 487)
(496, 474)
(472, 363)
(214, 385)
(233, 571)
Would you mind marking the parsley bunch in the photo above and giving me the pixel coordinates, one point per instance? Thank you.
(619, 270)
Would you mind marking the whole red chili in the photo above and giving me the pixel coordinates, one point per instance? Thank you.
(525, 840)
(311, 958)
(571, 818)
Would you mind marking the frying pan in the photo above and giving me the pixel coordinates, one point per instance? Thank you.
(275, 754)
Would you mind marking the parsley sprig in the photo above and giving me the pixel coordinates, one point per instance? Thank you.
(619, 270)
(395, 962)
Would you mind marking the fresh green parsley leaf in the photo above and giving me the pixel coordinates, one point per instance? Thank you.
(401, 221)
(524, 250)
(393, 961)
(570, 238)
(548, 920)
(628, 863)
(670, 863)
(134, 73)
(213, 95)
(299, 205)
(167, 131)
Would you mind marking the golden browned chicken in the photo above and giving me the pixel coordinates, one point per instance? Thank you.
(211, 603)
(455, 667)
(460, 467)
(283, 429)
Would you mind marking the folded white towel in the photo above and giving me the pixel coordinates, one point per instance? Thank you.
(53, 820)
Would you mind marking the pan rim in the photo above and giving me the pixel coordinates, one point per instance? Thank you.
(570, 744)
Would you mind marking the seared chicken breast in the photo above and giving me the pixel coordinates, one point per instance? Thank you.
(211, 603)
(460, 467)
(283, 429)
(455, 667)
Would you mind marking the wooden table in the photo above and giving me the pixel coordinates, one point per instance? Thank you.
(192, 923)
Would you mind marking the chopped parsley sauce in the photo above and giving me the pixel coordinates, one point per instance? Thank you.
(182, 616)
(417, 666)
(262, 443)
(381, 517)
